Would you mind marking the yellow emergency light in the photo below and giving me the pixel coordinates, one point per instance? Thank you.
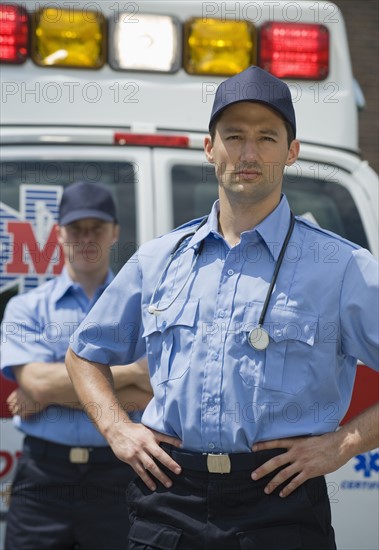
(218, 47)
(68, 38)
(145, 43)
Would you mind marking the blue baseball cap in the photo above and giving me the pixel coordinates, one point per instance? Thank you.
(86, 200)
(255, 84)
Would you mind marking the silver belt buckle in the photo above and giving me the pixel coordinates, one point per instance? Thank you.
(78, 455)
(218, 464)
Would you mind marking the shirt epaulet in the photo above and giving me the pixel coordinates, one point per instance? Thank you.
(326, 232)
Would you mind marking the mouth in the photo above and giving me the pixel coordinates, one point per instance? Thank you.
(248, 174)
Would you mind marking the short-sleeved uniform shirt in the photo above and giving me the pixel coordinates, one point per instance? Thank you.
(211, 388)
(38, 327)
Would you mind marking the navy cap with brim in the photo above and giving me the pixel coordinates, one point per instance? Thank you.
(256, 85)
(86, 200)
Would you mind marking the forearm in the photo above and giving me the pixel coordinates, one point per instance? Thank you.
(133, 398)
(132, 443)
(93, 383)
(47, 383)
(361, 434)
(134, 374)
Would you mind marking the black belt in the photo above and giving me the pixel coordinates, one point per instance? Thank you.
(220, 463)
(40, 448)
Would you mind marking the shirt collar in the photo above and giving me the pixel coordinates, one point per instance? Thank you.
(64, 284)
(273, 229)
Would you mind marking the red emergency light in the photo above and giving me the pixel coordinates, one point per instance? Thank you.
(295, 50)
(151, 140)
(14, 34)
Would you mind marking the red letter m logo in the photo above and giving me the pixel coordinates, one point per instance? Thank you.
(27, 252)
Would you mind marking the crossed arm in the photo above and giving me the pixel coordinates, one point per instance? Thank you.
(43, 384)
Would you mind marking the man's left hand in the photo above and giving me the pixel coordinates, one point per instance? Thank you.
(305, 458)
(19, 403)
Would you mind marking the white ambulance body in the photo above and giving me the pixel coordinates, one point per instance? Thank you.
(120, 93)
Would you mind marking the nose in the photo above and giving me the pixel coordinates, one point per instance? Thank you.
(86, 235)
(249, 151)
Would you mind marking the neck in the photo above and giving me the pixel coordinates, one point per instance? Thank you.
(90, 282)
(234, 219)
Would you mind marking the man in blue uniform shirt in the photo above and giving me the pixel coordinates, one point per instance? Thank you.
(69, 488)
(240, 350)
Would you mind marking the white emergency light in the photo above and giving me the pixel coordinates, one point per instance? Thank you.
(145, 43)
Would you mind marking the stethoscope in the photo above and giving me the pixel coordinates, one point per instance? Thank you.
(258, 337)
(153, 309)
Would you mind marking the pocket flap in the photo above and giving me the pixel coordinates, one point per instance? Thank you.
(181, 312)
(283, 323)
(155, 535)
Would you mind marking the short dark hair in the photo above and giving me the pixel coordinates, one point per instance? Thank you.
(290, 132)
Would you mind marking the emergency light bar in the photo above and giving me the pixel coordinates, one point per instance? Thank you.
(13, 34)
(151, 140)
(68, 38)
(153, 42)
(295, 50)
(150, 43)
(218, 47)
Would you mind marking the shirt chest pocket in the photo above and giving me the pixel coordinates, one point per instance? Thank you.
(170, 338)
(286, 365)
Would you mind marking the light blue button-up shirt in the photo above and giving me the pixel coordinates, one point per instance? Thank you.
(38, 327)
(211, 388)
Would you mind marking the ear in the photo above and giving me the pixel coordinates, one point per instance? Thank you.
(58, 231)
(116, 233)
(208, 149)
(293, 152)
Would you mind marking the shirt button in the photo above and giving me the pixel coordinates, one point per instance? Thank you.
(221, 313)
(215, 356)
(164, 324)
(211, 446)
(230, 271)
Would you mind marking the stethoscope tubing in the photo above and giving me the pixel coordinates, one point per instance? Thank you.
(276, 270)
(154, 310)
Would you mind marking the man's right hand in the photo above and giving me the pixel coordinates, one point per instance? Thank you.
(140, 447)
(133, 443)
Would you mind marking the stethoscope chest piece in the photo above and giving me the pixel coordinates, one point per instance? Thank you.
(258, 338)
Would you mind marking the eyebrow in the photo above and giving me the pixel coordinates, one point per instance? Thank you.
(77, 224)
(269, 131)
(238, 129)
(230, 129)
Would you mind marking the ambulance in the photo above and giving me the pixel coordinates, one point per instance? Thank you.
(120, 93)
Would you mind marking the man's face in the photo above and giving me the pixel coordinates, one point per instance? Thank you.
(250, 151)
(86, 244)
